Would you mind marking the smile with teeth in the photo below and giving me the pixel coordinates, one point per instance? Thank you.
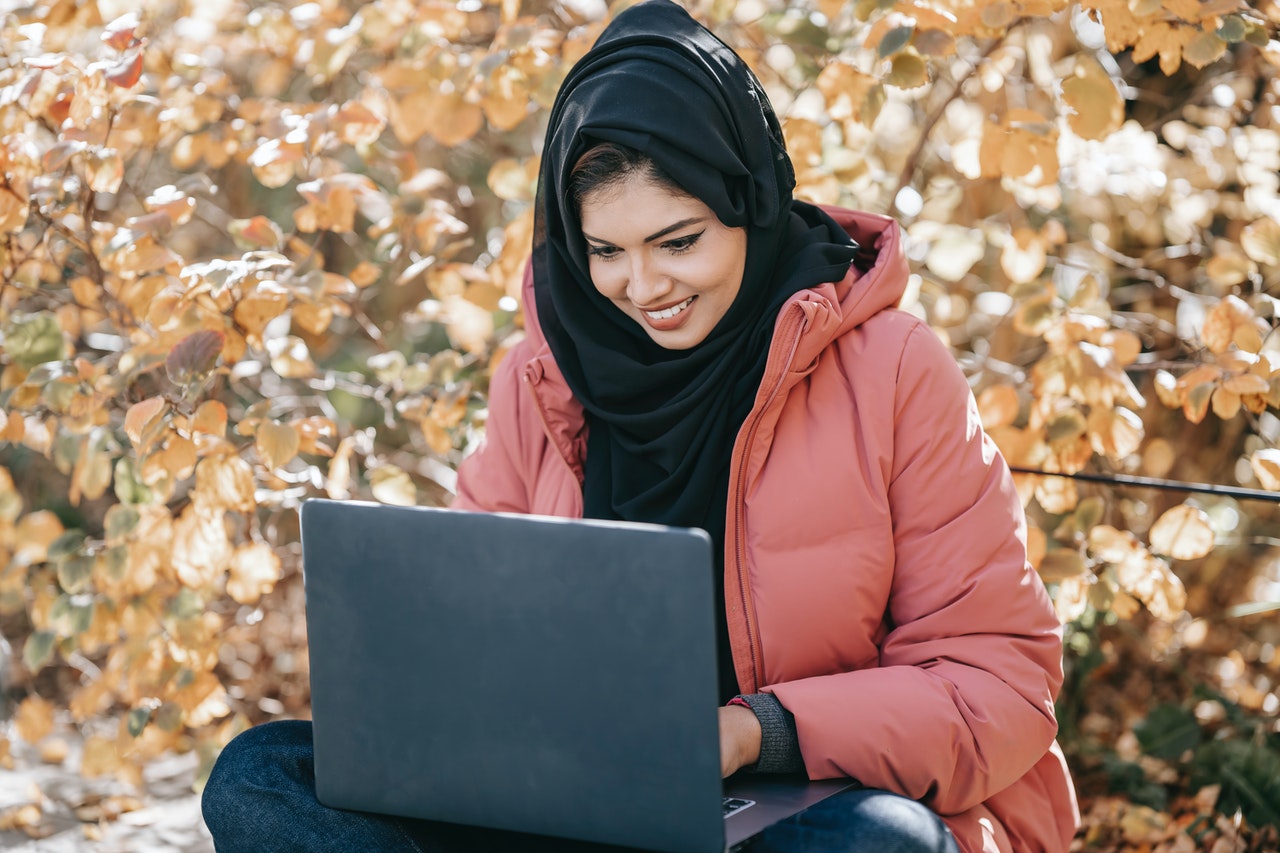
(668, 313)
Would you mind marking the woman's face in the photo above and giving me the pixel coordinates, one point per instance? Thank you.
(663, 258)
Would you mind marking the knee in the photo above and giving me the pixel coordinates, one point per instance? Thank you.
(896, 824)
(259, 763)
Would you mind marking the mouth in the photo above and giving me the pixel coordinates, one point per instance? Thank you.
(671, 311)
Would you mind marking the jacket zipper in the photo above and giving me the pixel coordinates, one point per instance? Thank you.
(740, 508)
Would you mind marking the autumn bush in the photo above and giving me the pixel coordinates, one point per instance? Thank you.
(254, 253)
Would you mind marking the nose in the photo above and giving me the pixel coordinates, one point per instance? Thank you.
(647, 285)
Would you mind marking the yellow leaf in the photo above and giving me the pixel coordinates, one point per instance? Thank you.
(254, 571)
(1182, 533)
(201, 550)
(1115, 433)
(1113, 546)
(13, 212)
(33, 535)
(391, 485)
(1266, 466)
(225, 481)
(1098, 105)
(315, 435)
(506, 97)
(1261, 241)
(99, 757)
(260, 307)
(908, 69)
(34, 719)
(1225, 404)
(277, 444)
(1023, 257)
(338, 482)
(1247, 383)
(1228, 270)
(1072, 598)
(1056, 494)
(1231, 321)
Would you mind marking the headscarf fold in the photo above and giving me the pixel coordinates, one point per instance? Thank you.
(662, 423)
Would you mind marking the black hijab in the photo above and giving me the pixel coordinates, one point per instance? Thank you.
(662, 423)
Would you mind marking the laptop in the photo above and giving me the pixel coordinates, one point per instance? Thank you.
(524, 673)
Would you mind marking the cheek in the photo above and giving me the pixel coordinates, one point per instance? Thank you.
(605, 278)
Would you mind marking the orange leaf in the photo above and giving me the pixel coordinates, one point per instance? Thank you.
(121, 32)
(140, 416)
(1266, 467)
(210, 418)
(127, 72)
(34, 719)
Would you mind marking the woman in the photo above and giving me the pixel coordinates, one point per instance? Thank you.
(705, 351)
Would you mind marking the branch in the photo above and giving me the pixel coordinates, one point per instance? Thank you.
(913, 161)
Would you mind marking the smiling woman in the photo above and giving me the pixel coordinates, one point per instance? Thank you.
(661, 256)
(705, 350)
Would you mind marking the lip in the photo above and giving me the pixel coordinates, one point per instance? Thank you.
(668, 324)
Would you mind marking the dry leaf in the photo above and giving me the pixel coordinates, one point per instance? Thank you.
(277, 444)
(33, 720)
(253, 573)
(1182, 533)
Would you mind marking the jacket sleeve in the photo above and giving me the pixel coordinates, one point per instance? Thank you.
(961, 704)
(495, 478)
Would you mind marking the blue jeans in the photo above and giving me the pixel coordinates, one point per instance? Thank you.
(261, 798)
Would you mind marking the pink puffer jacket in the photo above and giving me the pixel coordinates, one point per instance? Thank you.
(876, 579)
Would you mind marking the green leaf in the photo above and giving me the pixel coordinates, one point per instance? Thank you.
(895, 40)
(33, 339)
(66, 545)
(129, 487)
(138, 719)
(75, 574)
(120, 521)
(1168, 732)
(38, 650)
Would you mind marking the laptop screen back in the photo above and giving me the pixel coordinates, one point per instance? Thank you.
(541, 675)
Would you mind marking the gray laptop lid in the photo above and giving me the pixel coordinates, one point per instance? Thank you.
(451, 679)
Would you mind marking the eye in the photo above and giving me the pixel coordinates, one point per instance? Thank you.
(682, 244)
(604, 253)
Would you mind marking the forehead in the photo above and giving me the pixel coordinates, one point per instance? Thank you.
(637, 204)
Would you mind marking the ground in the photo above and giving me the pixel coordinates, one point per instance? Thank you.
(46, 807)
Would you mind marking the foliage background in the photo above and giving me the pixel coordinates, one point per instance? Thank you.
(252, 253)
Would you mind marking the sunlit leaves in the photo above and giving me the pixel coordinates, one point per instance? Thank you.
(392, 485)
(1261, 241)
(1232, 321)
(254, 570)
(1182, 533)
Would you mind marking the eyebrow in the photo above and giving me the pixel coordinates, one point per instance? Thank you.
(675, 226)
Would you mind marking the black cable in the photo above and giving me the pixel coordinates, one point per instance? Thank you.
(1158, 483)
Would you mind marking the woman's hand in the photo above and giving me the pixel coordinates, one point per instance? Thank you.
(739, 738)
